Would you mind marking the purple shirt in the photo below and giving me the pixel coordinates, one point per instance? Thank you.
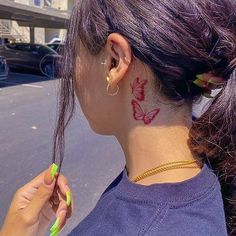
(193, 207)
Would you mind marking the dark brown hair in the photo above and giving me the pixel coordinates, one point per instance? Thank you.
(177, 39)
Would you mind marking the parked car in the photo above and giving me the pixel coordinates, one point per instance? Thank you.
(30, 57)
(4, 69)
(58, 47)
(55, 40)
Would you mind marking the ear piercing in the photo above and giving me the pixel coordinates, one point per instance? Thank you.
(109, 80)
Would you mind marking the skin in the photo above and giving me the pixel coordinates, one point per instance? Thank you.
(145, 146)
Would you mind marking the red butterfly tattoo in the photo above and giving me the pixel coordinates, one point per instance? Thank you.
(139, 114)
(138, 89)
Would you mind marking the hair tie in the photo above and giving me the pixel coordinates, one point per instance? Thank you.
(208, 81)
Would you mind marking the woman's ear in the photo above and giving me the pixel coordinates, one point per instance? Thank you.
(118, 57)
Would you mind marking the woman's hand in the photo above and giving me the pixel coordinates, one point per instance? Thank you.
(35, 204)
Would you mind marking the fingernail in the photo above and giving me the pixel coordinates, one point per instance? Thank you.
(54, 233)
(50, 174)
(55, 227)
(54, 170)
(68, 198)
(57, 231)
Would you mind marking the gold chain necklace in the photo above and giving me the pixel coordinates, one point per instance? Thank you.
(164, 167)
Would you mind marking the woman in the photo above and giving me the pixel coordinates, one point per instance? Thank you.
(136, 68)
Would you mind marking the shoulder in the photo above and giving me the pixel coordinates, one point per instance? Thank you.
(200, 216)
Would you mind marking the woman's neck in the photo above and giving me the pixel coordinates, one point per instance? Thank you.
(148, 147)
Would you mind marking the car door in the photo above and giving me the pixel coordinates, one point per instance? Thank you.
(10, 52)
(25, 59)
(35, 57)
(17, 55)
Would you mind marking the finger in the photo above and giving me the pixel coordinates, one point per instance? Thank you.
(58, 228)
(61, 196)
(61, 192)
(42, 195)
(64, 188)
(62, 184)
(55, 199)
(39, 179)
(71, 206)
(61, 218)
(66, 191)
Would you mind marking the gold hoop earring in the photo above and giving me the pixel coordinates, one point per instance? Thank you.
(109, 85)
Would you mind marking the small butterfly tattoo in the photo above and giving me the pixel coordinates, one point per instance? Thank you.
(138, 89)
(139, 114)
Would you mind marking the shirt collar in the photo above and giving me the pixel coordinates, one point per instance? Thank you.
(183, 191)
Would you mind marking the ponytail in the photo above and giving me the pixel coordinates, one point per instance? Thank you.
(213, 138)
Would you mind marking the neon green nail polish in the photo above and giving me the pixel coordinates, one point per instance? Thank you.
(54, 170)
(56, 225)
(54, 233)
(68, 198)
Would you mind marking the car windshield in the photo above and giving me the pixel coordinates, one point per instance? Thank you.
(44, 50)
(53, 46)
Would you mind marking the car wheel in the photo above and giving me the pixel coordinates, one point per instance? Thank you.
(48, 70)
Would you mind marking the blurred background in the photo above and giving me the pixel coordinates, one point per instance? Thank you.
(32, 34)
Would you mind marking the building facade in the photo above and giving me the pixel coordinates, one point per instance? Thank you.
(11, 30)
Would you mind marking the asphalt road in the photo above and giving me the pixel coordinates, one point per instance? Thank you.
(27, 118)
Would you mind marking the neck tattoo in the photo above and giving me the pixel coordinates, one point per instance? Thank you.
(138, 91)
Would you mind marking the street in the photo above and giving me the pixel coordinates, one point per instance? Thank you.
(28, 110)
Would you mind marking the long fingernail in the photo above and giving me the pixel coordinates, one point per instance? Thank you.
(68, 198)
(54, 233)
(55, 226)
(54, 170)
(56, 230)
